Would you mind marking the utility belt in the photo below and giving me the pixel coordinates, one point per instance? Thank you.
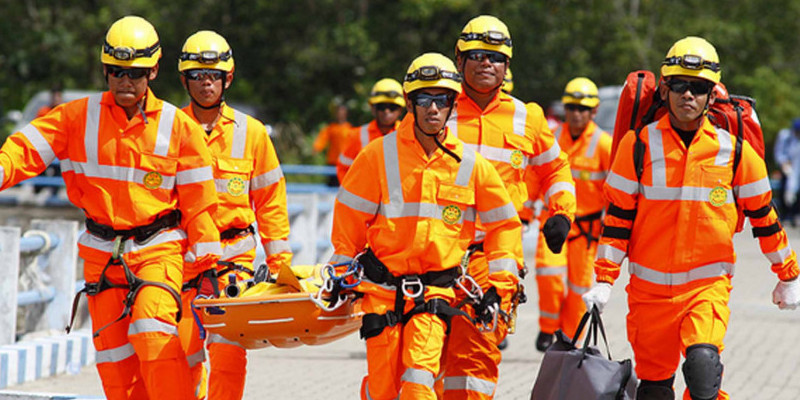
(232, 233)
(587, 232)
(133, 284)
(139, 234)
(373, 324)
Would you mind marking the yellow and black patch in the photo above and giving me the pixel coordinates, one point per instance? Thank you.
(451, 215)
(718, 196)
(516, 159)
(153, 180)
(236, 186)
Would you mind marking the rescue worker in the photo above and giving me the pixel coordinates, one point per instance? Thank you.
(251, 190)
(411, 199)
(334, 136)
(589, 149)
(386, 102)
(514, 137)
(676, 225)
(138, 168)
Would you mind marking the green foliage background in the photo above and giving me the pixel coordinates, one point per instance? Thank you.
(295, 57)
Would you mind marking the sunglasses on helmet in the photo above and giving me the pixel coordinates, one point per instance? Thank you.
(425, 100)
(133, 73)
(203, 74)
(695, 87)
(490, 37)
(207, 56)
(692, 62)
(480, 55)
(387, 106)
(432, 73)
(124, 53)
(576, 107)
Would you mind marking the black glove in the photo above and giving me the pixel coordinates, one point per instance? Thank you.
(555, 232)
(490, 297)
(209, 285)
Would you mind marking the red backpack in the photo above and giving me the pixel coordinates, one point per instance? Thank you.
(640, 104)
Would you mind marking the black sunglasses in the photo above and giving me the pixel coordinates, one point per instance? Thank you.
(203, 74)
(480, 55)
(133, 73)
(576, 107)
(387, 106)
(441, 100)
(696, 87)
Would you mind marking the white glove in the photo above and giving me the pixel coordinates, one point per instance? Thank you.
(786, 294)
(598, 296)
(789, 197)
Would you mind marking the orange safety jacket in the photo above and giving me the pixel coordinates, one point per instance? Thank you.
(589, 160)
(676, 225)
(515, 138)
(418, 214)
(333, 135)
(358, 139)
(122, 173)
(250, 184)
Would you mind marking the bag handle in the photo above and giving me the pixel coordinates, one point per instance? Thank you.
(595, 322)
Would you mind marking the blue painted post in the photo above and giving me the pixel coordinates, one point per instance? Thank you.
(9, 275)
(62, 264)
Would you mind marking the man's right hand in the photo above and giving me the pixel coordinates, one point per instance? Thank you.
(598, 296)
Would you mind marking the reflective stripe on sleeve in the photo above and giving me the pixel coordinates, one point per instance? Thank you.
(551, 154)
(680, 278)
(622, 184)
(345, 160)
(340, 259)
(356, 203)
(195, 175)
(753, 189)
(278, 246)
(780, 256)
(558, 187)
(593, 175)
(39, 143)
(201, 249)
(610, 253)
(266, 179)
(498, 214)
(503, 264)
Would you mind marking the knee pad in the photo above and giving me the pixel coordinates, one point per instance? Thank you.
(656, 390)
(702, 371)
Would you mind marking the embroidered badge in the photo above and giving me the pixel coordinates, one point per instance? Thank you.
(585, 175)
(236, 186)
(516, 159)
(152, 180)
(451, 215)
(718, 196)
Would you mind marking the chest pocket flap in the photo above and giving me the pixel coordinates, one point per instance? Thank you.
(456, 194)
(234, 165)
(163, 165)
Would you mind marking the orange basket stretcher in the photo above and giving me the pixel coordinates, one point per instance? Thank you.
(286, 313)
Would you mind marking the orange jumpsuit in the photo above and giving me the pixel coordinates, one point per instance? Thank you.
(417, 214)
(334, 136)
(359, 138)
(250, 189)
(514, 137)
(560, 307)
(680, 252)
(122, 173)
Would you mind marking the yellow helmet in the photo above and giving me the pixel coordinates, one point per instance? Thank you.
(432, 70)
(387, 90)
(131, 42)
(508, 82)
(206, 49)
(692, 56)
(581, 91)
(485, 32)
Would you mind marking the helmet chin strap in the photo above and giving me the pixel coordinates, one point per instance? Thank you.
(435, 135)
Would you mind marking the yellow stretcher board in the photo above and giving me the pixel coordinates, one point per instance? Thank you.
(282, 314)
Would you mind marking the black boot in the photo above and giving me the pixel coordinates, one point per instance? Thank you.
(543, 341)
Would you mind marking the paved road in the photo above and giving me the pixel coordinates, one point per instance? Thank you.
(761, 357)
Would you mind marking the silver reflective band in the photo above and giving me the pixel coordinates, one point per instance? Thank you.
(680, 278)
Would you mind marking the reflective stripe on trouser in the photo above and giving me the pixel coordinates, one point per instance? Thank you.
(141, 355)
(227, 360)
(660, 328)
(403, 360)
(470, 362)
(579, 260)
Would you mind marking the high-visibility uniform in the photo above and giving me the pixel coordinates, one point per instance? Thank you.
(250, 189)
(562, 307)
(417, 215)
(123, 173)
(514, 137)
(334, 136)
(676, 229)
(358, 139)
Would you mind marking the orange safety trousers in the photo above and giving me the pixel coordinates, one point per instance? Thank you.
(140, 356)
(404, 359)
(660, 328)
(561, 306)
(227, 359)
(470, 364)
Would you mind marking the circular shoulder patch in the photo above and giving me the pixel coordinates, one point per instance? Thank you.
(451, 214)
(516, 159)
(236, 186)
(152, 180)
(718, 196)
